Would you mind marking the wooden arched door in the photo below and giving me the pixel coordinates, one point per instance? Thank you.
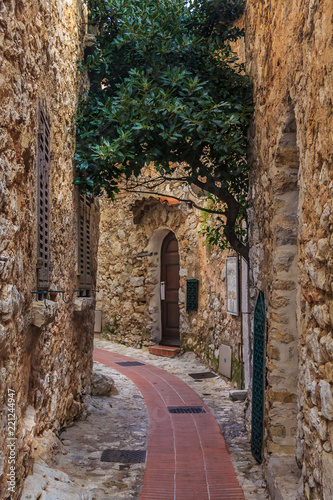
(169, 290)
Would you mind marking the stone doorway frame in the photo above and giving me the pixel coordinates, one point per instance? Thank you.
(154, 276)
(283, 297)
(170, 314)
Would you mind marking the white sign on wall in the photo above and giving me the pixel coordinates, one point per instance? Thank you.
(232, 276)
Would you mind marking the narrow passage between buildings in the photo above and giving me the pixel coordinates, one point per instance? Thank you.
(187, 456)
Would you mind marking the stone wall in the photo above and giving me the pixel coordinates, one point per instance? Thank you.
(45, 350)
(289, 59)
(129, 274)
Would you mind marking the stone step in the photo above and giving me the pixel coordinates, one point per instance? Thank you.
(164, 350)
(283, 478)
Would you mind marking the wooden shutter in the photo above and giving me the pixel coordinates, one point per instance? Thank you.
(43, 207)
(84, 242)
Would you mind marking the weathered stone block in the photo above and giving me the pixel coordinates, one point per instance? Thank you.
(307, 435)
(283, 336)
(283, 260)
(327, 446)
(322, 249)
(279, 301)
(102, 385)
(285, 236)
(318, 423)
(137, 281)
(279, 317)
(10, 303)
(281, 396)
(314, 391)
(314, 347)
(331, 312)
(139, 293)
(82, 304)
(43, 313)
(326, 343)
(237, 395)
(283, 477)
(4, 345)
(140, 309)
(277, 431)
(34, 486)
(284, 182)
(280, 449)
(322, 315)
(327, 476)
(137, 272)
(280, 284)
(273, 352)
(319, 278)
(326, 398)
(329, 372)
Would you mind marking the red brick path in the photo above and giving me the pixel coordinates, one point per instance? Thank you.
(187, 458)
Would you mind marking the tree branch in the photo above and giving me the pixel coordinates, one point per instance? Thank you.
(191, 203)
(231, 215)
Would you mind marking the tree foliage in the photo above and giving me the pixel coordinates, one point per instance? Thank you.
(165, 87)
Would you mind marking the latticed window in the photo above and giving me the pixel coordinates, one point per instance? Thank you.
(84, 244)
(43, 215)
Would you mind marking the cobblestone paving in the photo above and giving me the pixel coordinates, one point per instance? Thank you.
(121, 421)
(75, 472)
(215, 394)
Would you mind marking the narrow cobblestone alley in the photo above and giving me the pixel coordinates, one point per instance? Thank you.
(121, 422)
(187, 456)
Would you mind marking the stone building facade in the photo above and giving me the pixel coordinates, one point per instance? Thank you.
(132, 230)
(289, 57)
(45, 345)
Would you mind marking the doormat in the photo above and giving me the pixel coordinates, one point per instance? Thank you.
(130, 363)
(202, 375)
(124, 456)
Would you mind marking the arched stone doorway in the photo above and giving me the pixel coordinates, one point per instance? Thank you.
(154, 276)
(170, 290)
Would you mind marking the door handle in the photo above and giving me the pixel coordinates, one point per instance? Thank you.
(162, 290)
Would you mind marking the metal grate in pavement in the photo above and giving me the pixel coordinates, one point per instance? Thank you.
(124, 456)
(130, 363)
(202, 375)
(186, 409)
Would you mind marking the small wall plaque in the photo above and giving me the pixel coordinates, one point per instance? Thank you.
(225, 360)
(232, 285)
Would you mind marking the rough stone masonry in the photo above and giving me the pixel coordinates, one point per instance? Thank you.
(289, 57)
(132, 230)
(45, 347)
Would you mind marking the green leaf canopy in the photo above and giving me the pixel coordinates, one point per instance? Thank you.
(165, 87)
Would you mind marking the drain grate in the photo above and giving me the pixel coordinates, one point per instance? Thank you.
(130, 363)
(202, 375)
(186, 409)
(124, 456)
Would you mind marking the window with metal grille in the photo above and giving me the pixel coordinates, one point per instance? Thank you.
(84, 244)
(43, 188)
(192, 288)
